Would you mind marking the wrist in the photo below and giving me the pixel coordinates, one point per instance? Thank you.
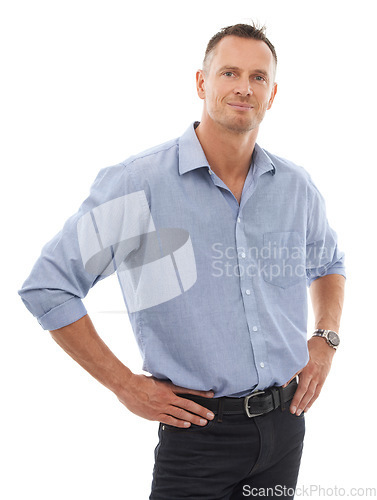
(121, 381)
(320, 350)
(330, 336)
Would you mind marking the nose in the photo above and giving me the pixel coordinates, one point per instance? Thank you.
(243, 87)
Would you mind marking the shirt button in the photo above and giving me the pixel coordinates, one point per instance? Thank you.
(255, 328)
(243, 255)
(210, 171)
(261, 364)
(247, 292)
(238, 219)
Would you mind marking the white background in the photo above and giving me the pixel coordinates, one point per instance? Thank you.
(84, 85)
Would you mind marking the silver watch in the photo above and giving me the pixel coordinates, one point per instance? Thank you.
(332, 338)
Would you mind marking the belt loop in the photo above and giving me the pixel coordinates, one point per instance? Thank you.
(220, 414)
(276, 397)
(282, 403)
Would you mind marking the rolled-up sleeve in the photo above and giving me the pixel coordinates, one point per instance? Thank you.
(323, 256)
(59, 280)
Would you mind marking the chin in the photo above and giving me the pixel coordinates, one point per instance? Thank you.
(234, 124)
(240, 128)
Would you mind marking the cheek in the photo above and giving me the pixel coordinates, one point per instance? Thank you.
(263, 99)
(213, 98)
(218, 92)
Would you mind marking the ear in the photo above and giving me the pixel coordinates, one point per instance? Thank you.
(200, 87)
(273, 94)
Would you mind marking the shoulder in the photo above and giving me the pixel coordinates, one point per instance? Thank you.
(296, 174)
(284, 166)
(158, 158)
(161, 154)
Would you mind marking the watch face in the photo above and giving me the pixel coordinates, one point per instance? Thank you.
(333, 338)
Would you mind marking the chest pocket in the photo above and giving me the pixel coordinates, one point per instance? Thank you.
(283, 258)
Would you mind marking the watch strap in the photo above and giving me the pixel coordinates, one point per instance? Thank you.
(325, 334)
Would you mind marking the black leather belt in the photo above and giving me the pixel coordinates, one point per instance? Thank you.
(255, 404)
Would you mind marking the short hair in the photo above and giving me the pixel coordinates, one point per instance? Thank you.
(242, 31)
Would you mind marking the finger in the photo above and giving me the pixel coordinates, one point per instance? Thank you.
(316, 394)
(193, 408)
(307, 397)
(290, 380)
(186, 416)
(175, 422)
(302, 387)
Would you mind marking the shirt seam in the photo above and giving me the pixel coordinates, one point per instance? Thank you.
(130, 161)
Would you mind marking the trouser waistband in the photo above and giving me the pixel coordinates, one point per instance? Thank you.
(254, 404)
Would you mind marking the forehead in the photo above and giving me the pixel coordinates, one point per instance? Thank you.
(244, 53)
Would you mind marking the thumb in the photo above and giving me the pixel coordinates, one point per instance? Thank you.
(184, 390)
(290, 380)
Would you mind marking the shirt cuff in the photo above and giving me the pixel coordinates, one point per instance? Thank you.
(63, 315)
(335, 269)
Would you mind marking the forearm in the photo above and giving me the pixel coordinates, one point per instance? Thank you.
(327, 296)
(81, 341)
(144, 396)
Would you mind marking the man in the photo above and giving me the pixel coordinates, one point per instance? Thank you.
(214, 241)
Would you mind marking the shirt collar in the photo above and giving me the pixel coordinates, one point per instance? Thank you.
(191, 154)
(262, 162)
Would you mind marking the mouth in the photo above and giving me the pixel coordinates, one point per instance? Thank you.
(240, 106)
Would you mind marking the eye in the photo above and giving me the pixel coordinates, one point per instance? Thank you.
(260, 78)
(228, 73)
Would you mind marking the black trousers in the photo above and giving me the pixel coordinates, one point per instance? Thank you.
(235, 458)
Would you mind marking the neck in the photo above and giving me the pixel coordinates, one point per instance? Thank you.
(228, 153)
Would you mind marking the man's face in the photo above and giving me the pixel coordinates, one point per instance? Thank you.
(238, 86)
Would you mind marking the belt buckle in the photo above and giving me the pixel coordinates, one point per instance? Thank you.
(246, 403)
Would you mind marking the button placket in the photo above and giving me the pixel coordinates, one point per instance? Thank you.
(246, 284)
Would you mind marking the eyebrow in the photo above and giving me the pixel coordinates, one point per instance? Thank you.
(236, 68)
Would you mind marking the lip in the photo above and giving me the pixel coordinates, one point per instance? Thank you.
(242, 106)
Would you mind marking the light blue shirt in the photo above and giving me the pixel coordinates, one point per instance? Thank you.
(216, 291)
